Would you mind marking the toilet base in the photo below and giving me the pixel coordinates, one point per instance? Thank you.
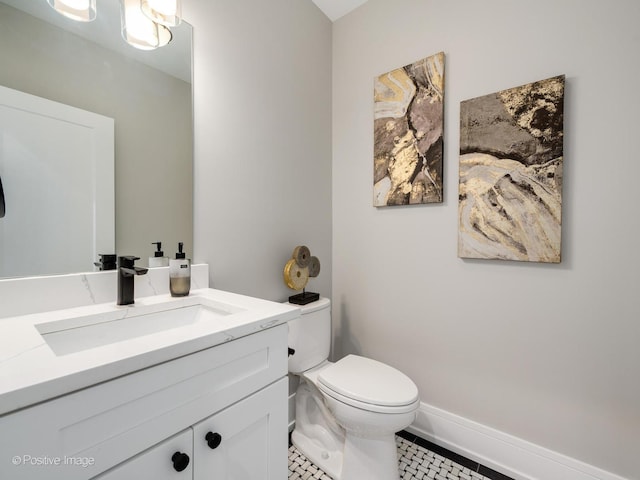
(327, 459)
(370, 458)
(317, 435)
(362, 457)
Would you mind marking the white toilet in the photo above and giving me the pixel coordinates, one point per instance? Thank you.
(346, 412)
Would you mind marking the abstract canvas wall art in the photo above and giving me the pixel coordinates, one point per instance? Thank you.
(510, 185)
(408, 126)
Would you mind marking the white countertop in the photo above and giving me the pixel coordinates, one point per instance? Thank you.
(31, 372)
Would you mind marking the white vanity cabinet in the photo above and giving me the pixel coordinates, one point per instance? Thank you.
(244, 441)
(131, 426)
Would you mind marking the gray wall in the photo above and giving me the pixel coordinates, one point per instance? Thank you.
(152, 113)
(262, 171)
(545, 352)
(548, 353)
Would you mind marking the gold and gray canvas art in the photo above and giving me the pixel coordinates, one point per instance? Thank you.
(408, 126)
(510, 185)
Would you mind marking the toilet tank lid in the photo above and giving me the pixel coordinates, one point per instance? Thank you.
(319, 304)
(369, 381)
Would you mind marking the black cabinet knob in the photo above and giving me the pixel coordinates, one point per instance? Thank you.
(180, 461)
(291, 351)
(213, 439)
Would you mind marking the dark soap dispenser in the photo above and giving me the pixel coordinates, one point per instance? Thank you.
(179, 274)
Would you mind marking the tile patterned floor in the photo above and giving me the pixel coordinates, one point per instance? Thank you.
(417, 462)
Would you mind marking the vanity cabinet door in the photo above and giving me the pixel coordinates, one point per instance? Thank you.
(246, 441)
(171, 459)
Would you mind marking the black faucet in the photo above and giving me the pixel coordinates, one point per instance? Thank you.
(126, 273)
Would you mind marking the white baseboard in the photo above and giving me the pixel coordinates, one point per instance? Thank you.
(499, 451)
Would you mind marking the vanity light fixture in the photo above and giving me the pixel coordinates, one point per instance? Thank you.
(80, 10)
(138, 30)
(164, 12)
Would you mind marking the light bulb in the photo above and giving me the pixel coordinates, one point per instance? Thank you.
(138, 30)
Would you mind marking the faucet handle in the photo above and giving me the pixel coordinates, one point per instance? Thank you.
(127, 261)
(108, 261)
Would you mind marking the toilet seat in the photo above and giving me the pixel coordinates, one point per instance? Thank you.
(369, 385)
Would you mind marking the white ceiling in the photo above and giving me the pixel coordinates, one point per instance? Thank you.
(334, 9)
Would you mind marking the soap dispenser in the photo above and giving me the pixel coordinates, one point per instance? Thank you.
(179, 274)
(158, 259)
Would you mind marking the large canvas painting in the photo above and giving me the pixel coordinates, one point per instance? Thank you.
(510, 185)
(408, 125)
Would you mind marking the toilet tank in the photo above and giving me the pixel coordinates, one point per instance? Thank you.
(310, 336)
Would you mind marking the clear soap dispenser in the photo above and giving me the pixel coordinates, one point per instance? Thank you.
(179, 274)
(158, 259)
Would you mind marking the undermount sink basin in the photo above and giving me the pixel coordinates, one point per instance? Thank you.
(83, 333)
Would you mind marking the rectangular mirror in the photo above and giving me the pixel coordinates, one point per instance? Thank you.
(147, 94)
(51, 153)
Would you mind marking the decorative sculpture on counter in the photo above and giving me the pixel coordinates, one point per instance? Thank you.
(297, 271)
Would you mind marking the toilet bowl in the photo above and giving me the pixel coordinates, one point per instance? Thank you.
(347, 412)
